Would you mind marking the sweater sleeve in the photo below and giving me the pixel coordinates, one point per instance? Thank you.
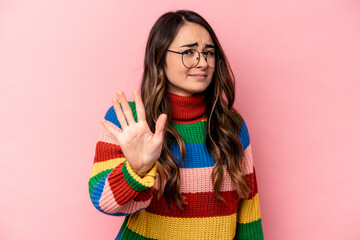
(114, 187)
(249, 225)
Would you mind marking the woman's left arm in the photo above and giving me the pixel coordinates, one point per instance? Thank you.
(249, 225)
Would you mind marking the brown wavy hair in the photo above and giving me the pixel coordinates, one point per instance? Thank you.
(223, 121)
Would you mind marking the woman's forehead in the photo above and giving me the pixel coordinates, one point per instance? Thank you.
(192, 33)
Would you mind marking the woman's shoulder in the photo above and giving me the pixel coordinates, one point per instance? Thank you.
(111, 114)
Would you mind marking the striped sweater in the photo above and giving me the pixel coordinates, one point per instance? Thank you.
(115, 188)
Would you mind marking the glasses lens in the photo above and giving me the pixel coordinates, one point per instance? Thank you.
(210, 58)
(190, 58)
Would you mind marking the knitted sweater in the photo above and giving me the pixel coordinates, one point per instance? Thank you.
(115, 189)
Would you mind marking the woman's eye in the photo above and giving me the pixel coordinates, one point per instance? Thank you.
(209, 53)
(189, 52)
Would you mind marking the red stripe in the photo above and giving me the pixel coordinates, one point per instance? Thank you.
(188, 121)
(199, 205)
(253, 184)
(121, 190)
(106, 151)
(187, 108)
(144, 195)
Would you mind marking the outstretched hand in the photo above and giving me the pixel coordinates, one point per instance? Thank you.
(140, 146)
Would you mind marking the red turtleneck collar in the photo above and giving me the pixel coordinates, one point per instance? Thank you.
(187, 109)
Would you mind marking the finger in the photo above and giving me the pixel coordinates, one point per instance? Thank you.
(119, 113)
(109, 127)
(126, 108)
(140, 110)
(160, 126)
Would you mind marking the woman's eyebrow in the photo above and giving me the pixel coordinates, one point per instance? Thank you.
(190, 45)
(209, 46)
(196, 44)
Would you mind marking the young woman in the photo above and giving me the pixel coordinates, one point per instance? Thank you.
(177, 161)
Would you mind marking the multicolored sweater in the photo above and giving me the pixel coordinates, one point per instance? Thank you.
(115, 189)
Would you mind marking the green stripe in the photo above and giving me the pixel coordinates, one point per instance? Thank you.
(133, 108)
(191, 133)
(251, 230)
(131, 181)
(96, 179)
(238, 121)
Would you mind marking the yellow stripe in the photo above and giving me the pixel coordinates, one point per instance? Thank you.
(148, 180)
(159, 227)
(102, 166)
(250, 210)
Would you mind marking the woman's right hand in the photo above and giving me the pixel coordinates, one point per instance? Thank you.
(139, 145)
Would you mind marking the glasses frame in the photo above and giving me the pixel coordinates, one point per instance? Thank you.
(205, 57)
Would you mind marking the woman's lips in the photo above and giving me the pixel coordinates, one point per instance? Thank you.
(198, 76)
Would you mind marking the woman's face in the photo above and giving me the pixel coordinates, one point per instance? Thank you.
(181, 80)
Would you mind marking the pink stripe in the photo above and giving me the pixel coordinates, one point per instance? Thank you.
(194, 180)
(106, 136)
(248, 163)
(108, 203)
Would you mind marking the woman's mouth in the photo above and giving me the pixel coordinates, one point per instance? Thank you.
(198, 76)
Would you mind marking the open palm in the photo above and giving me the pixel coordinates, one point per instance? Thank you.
(140, 146)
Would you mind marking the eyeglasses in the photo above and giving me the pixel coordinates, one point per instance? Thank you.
(191, 57)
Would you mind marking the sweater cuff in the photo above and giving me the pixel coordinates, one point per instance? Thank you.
(135, 181)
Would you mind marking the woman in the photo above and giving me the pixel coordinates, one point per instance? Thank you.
(183, 130)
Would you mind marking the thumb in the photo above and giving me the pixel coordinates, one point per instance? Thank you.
(160, 126)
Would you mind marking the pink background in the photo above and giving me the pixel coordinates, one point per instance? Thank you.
(297, 65)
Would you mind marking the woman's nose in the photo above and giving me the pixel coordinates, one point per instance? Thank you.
(202, 61)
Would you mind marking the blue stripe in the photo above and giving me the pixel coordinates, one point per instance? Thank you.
(197, 156)
(111, 117)
(118, 235)
(111, 114)
(96, 195)
(243, 135)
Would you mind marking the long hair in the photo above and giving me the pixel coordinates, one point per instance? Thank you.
(223, 121)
